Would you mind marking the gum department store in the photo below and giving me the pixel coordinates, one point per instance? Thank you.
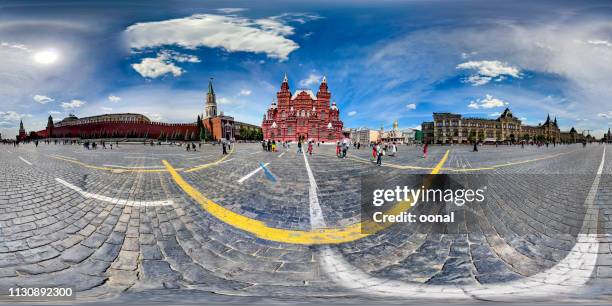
(453, 128)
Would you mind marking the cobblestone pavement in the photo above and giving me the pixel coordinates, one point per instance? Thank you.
(115, 225)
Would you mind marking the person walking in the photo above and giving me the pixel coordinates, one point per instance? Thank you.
(299, 145)
(475, 146)
(224, 146)
(374, 153)
(310, 148)
(425, 150)
(379, 155)
(338, 149)
(273, 145)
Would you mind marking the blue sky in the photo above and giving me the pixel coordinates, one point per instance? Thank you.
(384, 60)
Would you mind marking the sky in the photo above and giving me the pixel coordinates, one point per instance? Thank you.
(384, 60)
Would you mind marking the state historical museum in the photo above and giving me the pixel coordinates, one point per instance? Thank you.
(302, 116)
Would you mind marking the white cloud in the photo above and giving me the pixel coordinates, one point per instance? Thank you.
(178, 57)
(607, 114)
(154, 116)
(54, 112)
(352, 113)
(600, 43)
(155, 67)
(73, 104)
(487, 71)
(224, 100)
(245, 92)
(487, 102)
(164, 63)
(107, 109)
(495, 114)
(12, 116)
(232, 33)
(42, 99)
(411, 106)
(231, 10)
(312, 79)
(15, 46)
(114, 98)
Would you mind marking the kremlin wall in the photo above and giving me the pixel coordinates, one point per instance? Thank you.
(129, 125)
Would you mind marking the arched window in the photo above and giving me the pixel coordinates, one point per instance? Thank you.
(283, 114)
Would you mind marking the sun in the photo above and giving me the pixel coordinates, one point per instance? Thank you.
(46, 57)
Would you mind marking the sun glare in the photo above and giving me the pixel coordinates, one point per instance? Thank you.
(46, 57)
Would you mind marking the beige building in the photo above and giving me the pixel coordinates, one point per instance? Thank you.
(453, 128)
(394, 135)
(364, 136)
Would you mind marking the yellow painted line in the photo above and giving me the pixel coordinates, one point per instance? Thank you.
(493, 167)
(71, 158)
(200, 167)
(260, 229)
(437, 168)
(386, 164)
(119, 169)
(112, 169)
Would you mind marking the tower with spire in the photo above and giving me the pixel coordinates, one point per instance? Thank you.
(22, 133)
(210, 109)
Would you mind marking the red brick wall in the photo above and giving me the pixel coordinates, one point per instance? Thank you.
(121, 130)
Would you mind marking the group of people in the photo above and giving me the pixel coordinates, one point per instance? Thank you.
(342, 148)
(269, 145)
(379, 150)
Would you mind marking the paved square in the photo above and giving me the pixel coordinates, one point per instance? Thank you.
(116, 223)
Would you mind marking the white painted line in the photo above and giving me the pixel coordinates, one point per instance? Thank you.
(246, 177)
(141, 157)
(316, 214)
(25, 161)
(114, 200)
(135, 167)
(565, 277)
(281, 155)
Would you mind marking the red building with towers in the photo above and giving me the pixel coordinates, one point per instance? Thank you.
(302, 115)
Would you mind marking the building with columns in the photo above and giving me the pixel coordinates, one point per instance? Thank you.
(453, 128)
(302, 115)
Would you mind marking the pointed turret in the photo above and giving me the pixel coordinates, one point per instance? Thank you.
(285, 84)
(323, 86)
(555, 122)
(211, 91)
(547, 119)
(22, 132)
(210, 109)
